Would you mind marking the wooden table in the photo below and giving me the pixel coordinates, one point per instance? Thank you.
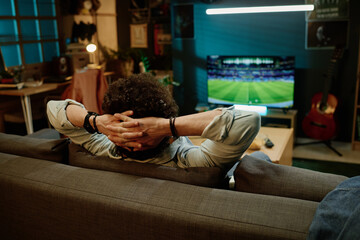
(25, 94)
(282, 138)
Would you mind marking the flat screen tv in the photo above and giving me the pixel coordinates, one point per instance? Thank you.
(251, 80)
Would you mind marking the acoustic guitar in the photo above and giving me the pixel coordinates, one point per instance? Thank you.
(319, 123)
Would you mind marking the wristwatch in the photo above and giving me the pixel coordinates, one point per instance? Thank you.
(87, 126)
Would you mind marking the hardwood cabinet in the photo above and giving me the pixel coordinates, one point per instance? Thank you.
(356, 121)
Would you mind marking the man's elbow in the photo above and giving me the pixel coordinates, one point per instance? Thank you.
(245, 129)
(256, 121)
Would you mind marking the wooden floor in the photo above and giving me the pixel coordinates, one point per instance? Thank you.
(320, 151)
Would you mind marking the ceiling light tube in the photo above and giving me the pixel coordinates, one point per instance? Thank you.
(285, 8)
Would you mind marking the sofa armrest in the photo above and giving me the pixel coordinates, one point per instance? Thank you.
(46, 133)
(258, 176)
(55, 150)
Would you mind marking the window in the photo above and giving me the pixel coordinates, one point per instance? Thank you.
(28, 31)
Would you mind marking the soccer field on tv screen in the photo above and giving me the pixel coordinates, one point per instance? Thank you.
(254, 93)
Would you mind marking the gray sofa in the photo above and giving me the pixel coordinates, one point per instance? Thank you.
(52, 190)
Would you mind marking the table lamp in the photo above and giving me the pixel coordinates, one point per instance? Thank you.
(91, 48)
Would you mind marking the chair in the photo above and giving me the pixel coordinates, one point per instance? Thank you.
(88, 87)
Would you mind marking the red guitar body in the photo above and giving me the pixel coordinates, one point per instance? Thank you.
(319, 123)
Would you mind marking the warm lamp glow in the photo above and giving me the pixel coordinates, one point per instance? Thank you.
(91, 48)
(286, 8)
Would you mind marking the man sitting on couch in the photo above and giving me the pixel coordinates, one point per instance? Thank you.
(146, 135)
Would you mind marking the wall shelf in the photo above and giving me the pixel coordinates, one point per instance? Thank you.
(356, 120)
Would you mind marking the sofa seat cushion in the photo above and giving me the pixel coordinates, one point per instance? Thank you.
(200, 176)
(55, 150)
(259, 176)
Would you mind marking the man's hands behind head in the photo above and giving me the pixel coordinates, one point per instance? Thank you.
(139, 134)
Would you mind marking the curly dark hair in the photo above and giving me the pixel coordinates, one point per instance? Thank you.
(146, 97)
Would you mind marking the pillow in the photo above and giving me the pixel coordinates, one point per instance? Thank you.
(55, 150)
(258, 176)
(200, 176)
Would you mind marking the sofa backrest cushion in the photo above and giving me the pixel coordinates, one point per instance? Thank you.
(200, 176)
(55, 150)
(258, 176)
(46, 200)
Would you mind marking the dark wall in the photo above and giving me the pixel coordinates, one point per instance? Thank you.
(123, 23)
(264, 34)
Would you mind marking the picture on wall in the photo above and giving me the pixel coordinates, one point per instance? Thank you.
(328, 9)
(184, 21)
(138, 36)
(162, 39)
(327, 34)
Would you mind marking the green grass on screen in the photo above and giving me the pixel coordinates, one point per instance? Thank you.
(251, 92)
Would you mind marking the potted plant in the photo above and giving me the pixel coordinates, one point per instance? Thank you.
(11, 75)
(120, 61)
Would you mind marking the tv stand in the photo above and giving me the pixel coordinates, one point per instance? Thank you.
(285, 110)
(285, 118)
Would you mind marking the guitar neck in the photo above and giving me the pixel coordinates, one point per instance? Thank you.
(328, 80)
(330, 73)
